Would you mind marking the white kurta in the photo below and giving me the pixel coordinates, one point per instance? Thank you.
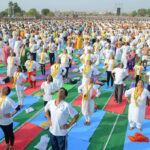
(136, 114)
(88, 105)
(58, 79)
(11, 67)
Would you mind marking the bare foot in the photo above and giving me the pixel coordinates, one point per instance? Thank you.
(139, 129)
(85, 123)
(111, 87)
(11, 148)
(131, 128)
(7, 147)
(88, 123)
(107, 87)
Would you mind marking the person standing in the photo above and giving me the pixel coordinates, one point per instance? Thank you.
(60, 111)
(137, 105)
(120, 75)
(6, 120)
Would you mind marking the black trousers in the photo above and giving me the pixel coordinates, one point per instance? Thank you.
(66, 75)
(43, 69)
(8, 132)
(34, 56)
(52, 58)
(137, 79)
(108, 78)
(118, 92)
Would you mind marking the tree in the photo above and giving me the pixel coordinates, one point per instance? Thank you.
(33, 12)
(142, 12)
(148, 12)
(45, 11)
(4, 13)
(51, 14)
(133, 13)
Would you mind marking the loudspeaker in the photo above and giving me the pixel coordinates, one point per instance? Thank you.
(118, 11)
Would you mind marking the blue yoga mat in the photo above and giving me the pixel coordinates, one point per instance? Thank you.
(28, 101)
(103, 75)
(2, 71)
(15, 124)
(12, 93)
(76, 144)
(39, 119)
(82, 132)
(128, 145)
(147, 69)
(101, 66)
(107, 89)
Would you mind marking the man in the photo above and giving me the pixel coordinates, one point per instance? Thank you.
(120, 75)
(108, 52)
(60, 111)
(17, 47)
(33, 49)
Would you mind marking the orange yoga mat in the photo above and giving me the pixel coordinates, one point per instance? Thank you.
(30, 91)
(9, 84)
(47, 67)
(116, 107)
(24, 136)
(78, 101)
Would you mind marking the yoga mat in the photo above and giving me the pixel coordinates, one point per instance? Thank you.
(133, 85)
(83, 132)
(76, 144)
(15, 124)
(101, 66)
(147, 69)
(40, 77)
(3, 75)
(73, 67)
(39, 119)
(28, 101)
(30, 91)
(9, 84)
(107, 89)
(116, 107)
(128, 145)
(103, 75)
(2, 71)
(147, 113)
(78, 101)
(12, 93)
(24, 136)
(47, 67)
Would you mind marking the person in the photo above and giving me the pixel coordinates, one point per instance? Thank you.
(48, 89)
(6, 52)
(65, 61)
(52, 50)
(33, 49)
(43, 57)
(120, 75)
(12, 62)
(79, 41)
(148, 84)
(23, 57)
(87, 71)
(108, 52)
(17, 46)
(19, 81)
(6, 120)
(86, 91)
(31, 67)
(110, 65)
(60, 111)
(1, 49)
(57, 72)
(138, 70)
(136, 112)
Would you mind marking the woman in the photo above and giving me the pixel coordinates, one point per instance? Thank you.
(137, 105)
(19, 84)
(79, 42)
(6, 120)
(48, 89)
(131, 62)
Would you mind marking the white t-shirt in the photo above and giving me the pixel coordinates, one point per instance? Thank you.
(120, 74)
(59, 116)
(108, 53)
(48, 88)
(5, 108)
(148, 74)
(64, 62)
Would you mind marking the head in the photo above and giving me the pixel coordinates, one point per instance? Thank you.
(58, 61)
(90, 80)
(139, 63)
(140, 84)
(88, 62)
(31, 57)
(62, 93)
(5, 91)
(19, 69)
(121, 65)
(65, 51)
(49, 78)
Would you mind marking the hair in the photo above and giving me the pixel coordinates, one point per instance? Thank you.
(20, 68)
(8, 90)
(66, 92)
(140, 80)
(51, 78)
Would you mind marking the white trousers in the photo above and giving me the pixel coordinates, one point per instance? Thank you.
(132, 124)
(87, 118)
(20, 94)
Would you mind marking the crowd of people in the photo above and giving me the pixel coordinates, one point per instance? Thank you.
(123, 47)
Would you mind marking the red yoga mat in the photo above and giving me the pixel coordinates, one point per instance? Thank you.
(9, 84)
(78, 101)
(147, 114)
(47, 67)
(116, 107)
(30, 91)
(3, 75)
(24, 136)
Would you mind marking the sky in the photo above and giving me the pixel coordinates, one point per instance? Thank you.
(79, 5)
